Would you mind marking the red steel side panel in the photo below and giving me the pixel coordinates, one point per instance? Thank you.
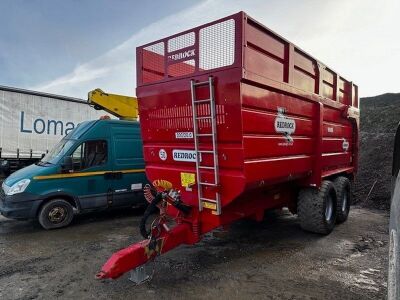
(280, 76)
(269, 155)
(162, 118)
(282, 116)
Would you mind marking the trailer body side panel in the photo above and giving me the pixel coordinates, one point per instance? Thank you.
(282, 116)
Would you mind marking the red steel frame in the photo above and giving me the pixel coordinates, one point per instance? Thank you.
(259, 167)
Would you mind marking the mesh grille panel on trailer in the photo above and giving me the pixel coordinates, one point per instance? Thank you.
(217, 45)
(178, 43)
(181, 42)
(202, 49)
(153, 63)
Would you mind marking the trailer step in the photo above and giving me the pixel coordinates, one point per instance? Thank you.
(206, 168)
(205, 151)
(212, 116)
(208, 200)
(208, 184)
(202, 101)
(201, 83)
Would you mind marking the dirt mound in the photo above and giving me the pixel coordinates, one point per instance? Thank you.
(378, 121)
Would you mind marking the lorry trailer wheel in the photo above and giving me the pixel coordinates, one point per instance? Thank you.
(316, 208)
(56, 213)
(344, 198)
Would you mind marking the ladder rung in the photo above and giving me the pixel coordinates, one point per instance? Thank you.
(201, 83)
(206, 168)
(213, 204)
(207, 184)
(202, 101)
(209, 200)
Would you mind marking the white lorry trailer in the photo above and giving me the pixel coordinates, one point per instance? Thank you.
(32, 122)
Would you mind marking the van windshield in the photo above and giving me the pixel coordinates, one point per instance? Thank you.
(58, 151)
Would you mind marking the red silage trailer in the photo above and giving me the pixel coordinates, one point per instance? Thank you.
(237, 120)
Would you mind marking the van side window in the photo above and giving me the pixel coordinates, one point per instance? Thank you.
(90, 154)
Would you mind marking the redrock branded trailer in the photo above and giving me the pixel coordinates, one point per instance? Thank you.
(237, 120)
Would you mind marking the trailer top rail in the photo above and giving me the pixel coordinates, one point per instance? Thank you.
(238, 41)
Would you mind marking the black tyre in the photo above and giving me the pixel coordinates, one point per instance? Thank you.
(56, 213)
(344, 198)
(316, 208)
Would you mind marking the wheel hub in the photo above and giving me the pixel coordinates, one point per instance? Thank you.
(57, 214)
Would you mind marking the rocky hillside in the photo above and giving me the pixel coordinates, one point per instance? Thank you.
(379, 118)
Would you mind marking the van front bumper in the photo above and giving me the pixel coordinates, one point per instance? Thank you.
(19, 206)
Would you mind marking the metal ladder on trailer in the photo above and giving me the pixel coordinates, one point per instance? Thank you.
(215, 203)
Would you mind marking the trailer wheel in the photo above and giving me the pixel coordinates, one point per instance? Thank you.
(344, 198)
(316, 208)
(56, 213)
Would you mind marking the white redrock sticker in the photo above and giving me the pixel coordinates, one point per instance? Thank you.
(162, 154)
(345, 145)
(184, 155)
(284, 124)
(184, 135)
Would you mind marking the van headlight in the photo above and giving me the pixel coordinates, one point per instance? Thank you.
(18, 187)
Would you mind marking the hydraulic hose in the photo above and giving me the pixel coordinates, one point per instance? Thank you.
(182, 207)
(149, 210)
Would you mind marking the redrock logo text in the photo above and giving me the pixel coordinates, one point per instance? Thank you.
(182, 55)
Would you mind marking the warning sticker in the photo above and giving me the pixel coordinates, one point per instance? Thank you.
(188, 179)
(209, 205)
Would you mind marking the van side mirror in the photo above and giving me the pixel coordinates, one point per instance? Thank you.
(67, 164)
(43, 155)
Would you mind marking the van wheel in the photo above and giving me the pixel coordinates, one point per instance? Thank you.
(316, 208)
(56, 213)
(344, 195)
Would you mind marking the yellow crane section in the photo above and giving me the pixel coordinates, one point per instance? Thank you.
(123, 107)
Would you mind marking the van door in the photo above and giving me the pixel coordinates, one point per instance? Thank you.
(129, 175)
(92, 176)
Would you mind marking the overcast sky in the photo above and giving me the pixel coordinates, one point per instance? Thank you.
(71, 47)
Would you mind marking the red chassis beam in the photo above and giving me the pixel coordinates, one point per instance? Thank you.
(140, 253)
(189, 230)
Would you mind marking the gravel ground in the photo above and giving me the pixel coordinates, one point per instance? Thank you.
(273, 259)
